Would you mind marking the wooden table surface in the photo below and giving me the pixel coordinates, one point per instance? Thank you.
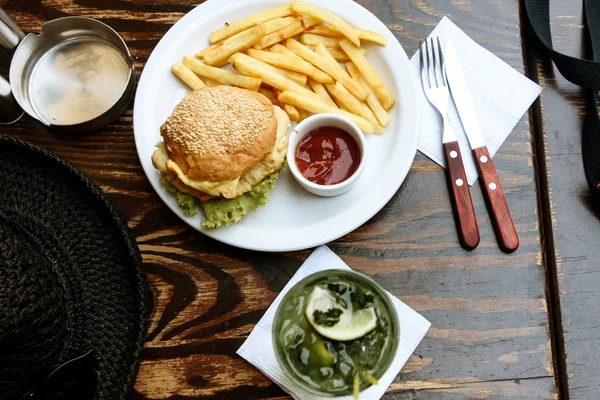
(571, 218)
(523, 325)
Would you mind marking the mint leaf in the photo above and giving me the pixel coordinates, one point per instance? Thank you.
(337, 288)
(361, 297)
(328, 318)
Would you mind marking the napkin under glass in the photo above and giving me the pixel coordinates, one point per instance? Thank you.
(501, 96)
(258, 348)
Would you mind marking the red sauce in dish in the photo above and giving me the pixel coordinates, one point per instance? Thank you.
(327, 155)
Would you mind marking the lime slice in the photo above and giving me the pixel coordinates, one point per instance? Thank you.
(351, 325)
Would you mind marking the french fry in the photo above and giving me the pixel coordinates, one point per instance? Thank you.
(372, 100)
(328, 67)
(256, 68)
(339, 104)
(337, 53)
(325, 30)
(328, 17)
(268, 93)
(352, 104)
(319, 89)
(367, 71)
(270, 26)
(281, 49)
(187, 76)
(342, 97)
(322, 50)
(303, 114)
(317, 106)
(297, 77)
(290, 63)
(343, 107)
(346, 100)
(311, 39)
(212, 83)
(221, 75)
(242, 24)
(294, 29)
(365, 35)
(290, 110)
(202, 52)
(219, 56)
(310, 21)
(373, 37)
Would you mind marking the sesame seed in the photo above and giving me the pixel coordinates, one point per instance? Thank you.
(200, 125)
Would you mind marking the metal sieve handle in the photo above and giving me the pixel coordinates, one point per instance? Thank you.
(10, 37)
(10, 34)
(10, 111)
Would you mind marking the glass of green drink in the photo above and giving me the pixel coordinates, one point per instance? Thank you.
(335, 333)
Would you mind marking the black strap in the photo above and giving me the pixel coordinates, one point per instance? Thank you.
(584, 73)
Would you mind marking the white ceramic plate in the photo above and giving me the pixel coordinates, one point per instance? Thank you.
(293, 219)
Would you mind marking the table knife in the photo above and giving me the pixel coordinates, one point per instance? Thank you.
(492, 191)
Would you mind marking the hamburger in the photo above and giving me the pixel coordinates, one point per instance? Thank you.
(223, 148)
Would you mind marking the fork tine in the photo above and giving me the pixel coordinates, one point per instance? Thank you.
(443, 66)
(428, 64)
(421, 61)
(425, 65)
(435, 62)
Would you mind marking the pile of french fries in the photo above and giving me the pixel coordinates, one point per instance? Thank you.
(292, 55)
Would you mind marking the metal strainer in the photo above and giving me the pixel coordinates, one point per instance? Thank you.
(76, 76)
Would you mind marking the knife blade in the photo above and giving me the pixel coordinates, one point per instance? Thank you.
(492, 191)
(462, 98)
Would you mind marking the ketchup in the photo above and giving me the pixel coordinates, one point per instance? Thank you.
(327, 155)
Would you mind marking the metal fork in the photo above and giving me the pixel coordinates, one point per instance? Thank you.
(435, 86)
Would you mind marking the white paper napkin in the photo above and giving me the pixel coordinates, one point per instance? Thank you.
(258, 348)
(500, 93)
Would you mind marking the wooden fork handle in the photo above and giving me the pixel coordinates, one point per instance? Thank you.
(460, 195)
(496, 203)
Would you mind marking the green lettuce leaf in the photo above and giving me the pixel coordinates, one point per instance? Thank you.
(224, 212)
(186, 201)
(221, 212)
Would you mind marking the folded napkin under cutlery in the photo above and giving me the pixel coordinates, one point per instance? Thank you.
(500, 93)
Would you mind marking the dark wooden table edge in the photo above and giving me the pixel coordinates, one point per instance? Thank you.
(530, 56)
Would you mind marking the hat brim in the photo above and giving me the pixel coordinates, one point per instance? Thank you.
(93, 252)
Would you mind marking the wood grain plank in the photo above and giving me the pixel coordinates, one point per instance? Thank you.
(572, 215)
(534, 388)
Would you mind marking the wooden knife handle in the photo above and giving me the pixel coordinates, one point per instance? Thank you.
(496, 203)
(464, 215)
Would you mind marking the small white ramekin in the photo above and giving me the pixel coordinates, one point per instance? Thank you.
(318, 121)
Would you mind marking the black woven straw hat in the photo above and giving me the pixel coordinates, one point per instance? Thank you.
(73, 297)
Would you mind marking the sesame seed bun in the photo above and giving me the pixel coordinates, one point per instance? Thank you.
(219, 133)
